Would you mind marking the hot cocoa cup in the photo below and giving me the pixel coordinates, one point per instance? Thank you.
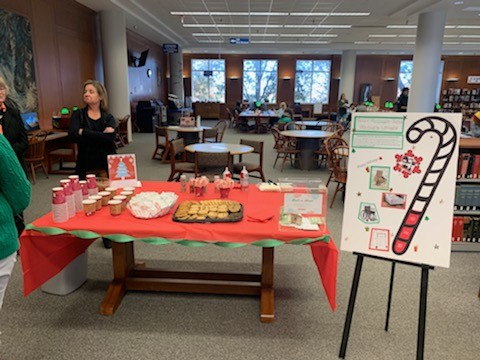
(106, 196)
(89, 206)
(115, 207)
(98, 200)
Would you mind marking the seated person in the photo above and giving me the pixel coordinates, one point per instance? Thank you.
(475, 125)
(283, 107)
(186, 119)
(258, 106)
(238, 108)
(286, 121)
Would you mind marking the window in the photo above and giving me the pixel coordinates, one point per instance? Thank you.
(208, 80)
(312, 81)
(405, 77)
(260, 80)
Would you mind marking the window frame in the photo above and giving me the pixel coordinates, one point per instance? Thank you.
(275, 94)
(313, 72)
(210, 77)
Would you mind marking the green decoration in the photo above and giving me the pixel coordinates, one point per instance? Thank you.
(123, 238)
(64, 111)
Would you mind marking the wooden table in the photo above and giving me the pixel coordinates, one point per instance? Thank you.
(45, 250)
(312, 124)
(262, 120)
(233, 149)
(190, 134)
(309, 141)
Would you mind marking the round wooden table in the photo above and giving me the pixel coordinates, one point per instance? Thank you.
(308, 142)
(311, 124)
(188, 129)
(307, 134)
(234, 149)
(190, 134)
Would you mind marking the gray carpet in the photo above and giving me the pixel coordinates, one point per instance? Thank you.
(183, 326)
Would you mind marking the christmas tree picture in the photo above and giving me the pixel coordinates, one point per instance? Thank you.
(122, 169)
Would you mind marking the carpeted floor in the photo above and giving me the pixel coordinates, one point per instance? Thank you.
(183, 326)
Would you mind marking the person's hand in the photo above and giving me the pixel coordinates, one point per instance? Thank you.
(109, 130)
(1, 129)
(80, 132)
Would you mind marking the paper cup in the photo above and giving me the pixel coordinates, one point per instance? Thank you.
(113, 190)
(115, 207)
(106, 196)
(98, 200)
(89, 206)
(121, 198)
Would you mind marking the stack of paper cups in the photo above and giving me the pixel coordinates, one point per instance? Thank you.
(59, 205)
(77, 192)
(67, 188)
(83, 185)
(92, 184)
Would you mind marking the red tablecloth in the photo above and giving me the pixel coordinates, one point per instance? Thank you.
(44, 256)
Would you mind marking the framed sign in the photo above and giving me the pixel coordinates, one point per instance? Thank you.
(401, 186)
(122, 170)
(473, 79)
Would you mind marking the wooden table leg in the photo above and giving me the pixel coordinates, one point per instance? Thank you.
(267, 295)
(123, 265)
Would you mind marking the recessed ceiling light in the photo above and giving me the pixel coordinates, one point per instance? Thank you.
(401, 26)
(366, 42)
(470, 36)
(320, 26)
(227, 13)
(233, 25)
(262, 42)
(383, 35)
(458, 3)
(330, 14)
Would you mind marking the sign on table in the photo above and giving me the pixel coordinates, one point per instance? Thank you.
(122, 170)
(401, 186)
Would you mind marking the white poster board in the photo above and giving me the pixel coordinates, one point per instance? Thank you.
(317, 108)
(401, 186)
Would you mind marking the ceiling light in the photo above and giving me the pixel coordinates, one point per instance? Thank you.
(383, 35)
(470, 36)
(366, 42)
(468, 26)
(407, 35)
(211, 41)
(319, 26)
(451, 43)
(398, 43)
(471, 43)
(227, 13)
(233, 25)
(262, 42)
(315, 42)
(458, 3)
(235, 35)
(330, 14)
(450, 36)
(401, 26)
(322, 35)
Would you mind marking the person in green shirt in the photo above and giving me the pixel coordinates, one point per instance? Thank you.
(15, 191)
(286, 121)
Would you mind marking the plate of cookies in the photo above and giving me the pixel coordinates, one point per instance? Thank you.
(208, 211)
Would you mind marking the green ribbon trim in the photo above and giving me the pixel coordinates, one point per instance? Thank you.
(123, 238)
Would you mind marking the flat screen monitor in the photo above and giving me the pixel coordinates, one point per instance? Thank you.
(143, 58)
(30, 121)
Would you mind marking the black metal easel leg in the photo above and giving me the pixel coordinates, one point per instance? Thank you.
(422, 316)
(390, 291)
(351, 305)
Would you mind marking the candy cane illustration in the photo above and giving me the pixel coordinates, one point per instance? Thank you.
(439, 163)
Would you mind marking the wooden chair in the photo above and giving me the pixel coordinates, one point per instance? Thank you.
(161, 143)
(121, 138)
(288, 150)
(276, 137)
(251, 167)
(339, 163)
(35, 156)
(67, 154)
(211, 164)
(178, 160)
(210, 135)
(221, 126)
(330, 143)
(231, 118)
(334, 127)
(262, 125)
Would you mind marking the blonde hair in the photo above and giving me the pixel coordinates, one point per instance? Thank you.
(3, 85)
(102, 92)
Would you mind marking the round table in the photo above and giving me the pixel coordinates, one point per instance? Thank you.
(309, 141)
(190, 134)
(311, 124)
(234, 149)
(307, 134)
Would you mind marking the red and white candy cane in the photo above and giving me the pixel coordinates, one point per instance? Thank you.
(439, 163)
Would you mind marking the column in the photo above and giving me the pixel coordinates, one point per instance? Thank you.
(176, 75)
(115, 66)
(426, 61)
(347, 74)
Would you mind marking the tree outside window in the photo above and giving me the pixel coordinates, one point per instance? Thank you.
(208, 80)
(260, 80)
(312, 81)
(405, 77)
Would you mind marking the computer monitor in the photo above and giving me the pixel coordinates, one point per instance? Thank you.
(30, 121)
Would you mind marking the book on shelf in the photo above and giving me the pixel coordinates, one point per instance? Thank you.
(468, 166)
(466, 229)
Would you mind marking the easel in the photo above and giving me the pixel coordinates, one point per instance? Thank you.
(422, 315)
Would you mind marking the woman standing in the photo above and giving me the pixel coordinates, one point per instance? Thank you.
(12, 124)
(342, 108)
(14, 198)
(93, 129)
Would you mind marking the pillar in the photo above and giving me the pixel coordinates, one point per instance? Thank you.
(347, 74)
(115, 66)
(176, 75)
(426, 61)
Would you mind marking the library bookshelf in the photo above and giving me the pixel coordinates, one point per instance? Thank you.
(466, 221)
